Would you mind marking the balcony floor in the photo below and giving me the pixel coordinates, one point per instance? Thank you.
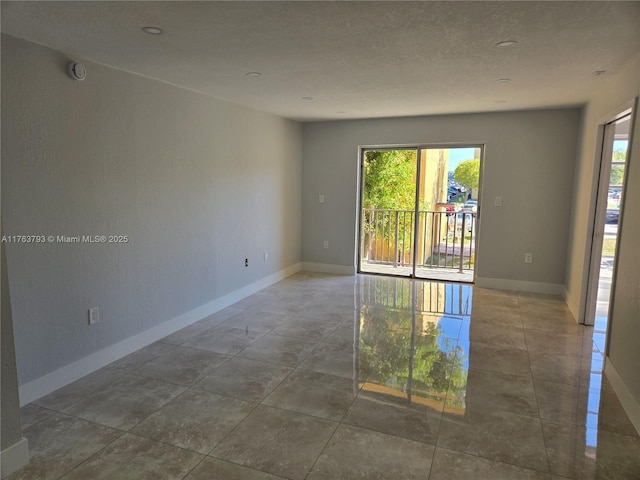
(437, 274)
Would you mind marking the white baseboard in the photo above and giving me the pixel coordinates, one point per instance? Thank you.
(628, 401)
(14, 457)
(519, 285)
(70, 373)
(328, 268)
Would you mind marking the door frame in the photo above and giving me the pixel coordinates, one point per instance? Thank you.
(418, 148)
(361, 150)
(600, 187)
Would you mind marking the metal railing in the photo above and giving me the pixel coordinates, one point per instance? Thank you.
(445, 240)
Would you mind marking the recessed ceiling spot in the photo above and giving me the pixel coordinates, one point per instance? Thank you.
(503, 80)
(506, 43)
(599, 72)
(153, 30)
(253, 74)
(307, 99)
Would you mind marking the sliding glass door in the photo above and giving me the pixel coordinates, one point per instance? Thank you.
(418, 211)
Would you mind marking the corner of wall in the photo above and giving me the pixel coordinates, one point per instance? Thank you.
(14, 457)
(572, 304)
(628, 401)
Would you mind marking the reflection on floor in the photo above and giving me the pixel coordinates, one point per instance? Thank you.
(330, 377)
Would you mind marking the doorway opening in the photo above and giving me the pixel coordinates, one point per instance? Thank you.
(419, 211)
(610, 195)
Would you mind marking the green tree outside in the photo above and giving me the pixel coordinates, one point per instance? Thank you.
(619, 155)
(389, 181)
(617, 175)
(388, 185)
(617, 171)
(467, 173)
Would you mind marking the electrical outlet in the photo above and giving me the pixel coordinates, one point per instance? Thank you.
(326, 244)
(528, 258)
(246, 262)
(94, 315)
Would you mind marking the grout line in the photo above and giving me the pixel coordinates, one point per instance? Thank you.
(535, 395)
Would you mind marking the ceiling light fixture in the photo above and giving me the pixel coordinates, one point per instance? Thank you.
(503, 80)
(506, 43)
(341, 112)
(307, 98)
(599, 72)
(253, 74)
(500, 101)
(153, 30)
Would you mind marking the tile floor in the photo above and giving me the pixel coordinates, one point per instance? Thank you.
(333, 377)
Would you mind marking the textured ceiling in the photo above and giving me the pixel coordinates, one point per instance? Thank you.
(356, 59)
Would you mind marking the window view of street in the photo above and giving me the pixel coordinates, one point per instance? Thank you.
(614, 198)
(419, 212)
(612, 218)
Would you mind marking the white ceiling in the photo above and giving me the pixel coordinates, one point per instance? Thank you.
(356, 59)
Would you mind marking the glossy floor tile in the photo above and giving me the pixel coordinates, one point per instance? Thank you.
(277, 441)
(378, 412)
(183, 366)
(496, 435)
(313, 393)
(125, 402)
(358, 453)
(279, 350)
(61, 442)
(448, 464)
(338, 377)
(213, 468)
(195, 420)
(245, 379)
(150, 461)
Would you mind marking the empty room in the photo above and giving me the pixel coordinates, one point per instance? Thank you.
(320, 240)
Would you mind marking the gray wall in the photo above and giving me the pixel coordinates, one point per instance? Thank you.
(615, 93)
(10, 408)
(617, 90)
(197, 184)
(529, 161)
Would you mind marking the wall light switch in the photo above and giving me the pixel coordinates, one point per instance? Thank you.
(497, 202)
(321, 198)
(326, 244)
(94, 315)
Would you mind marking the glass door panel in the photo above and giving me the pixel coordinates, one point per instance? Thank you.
(447, 210)
(387, 215)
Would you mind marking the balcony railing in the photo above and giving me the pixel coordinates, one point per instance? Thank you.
(445, 240)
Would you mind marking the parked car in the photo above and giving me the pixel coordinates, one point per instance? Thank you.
(612, 217)
(452, 192)
(470, 206)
